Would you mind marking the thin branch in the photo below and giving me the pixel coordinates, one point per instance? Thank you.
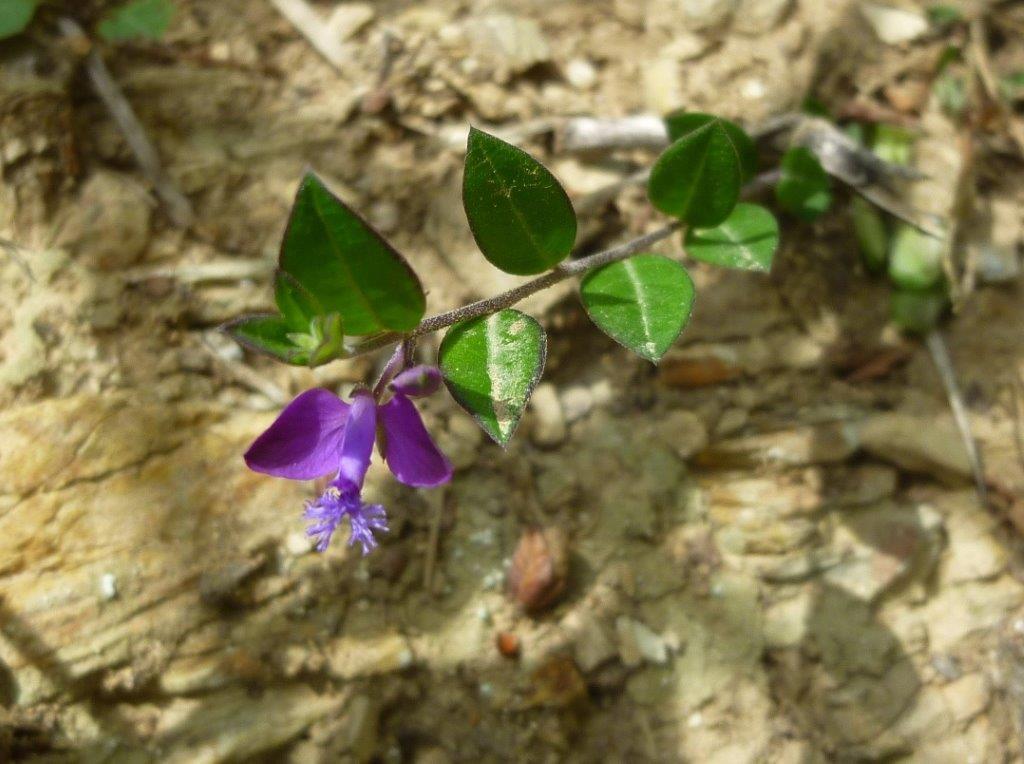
(512, 296)
(179, 209)
(940, 356)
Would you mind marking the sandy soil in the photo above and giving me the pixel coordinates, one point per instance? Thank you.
(774, 549)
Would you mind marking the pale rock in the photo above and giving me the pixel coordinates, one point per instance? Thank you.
(661, 81)
(731, 421)
(785, 622)
(993, 239)
(549, 427)
(577, 402)
(591, 646)
(756, 17)
(883, 547)
(629, 11)
(349, 657)
(968, 696)
(581, 74)
(930, 445)
(954, 613)
(894, 25)
(638, 642)
(511, 42)
(108, 228)
(683, 432)
(974, 551)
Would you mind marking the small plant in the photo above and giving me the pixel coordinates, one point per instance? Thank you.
(342, 290)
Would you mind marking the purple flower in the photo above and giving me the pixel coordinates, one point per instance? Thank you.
(318, 433)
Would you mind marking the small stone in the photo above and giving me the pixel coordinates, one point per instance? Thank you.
(299, 543)
(511, 42)
(581, 74)
(815, 444)
(508, 644)
(703, 14)
(108, 228)
(930, 445)
(637, 642)
(592, 645)
(577, 402)
(894, 25)
(108, 586)
(731, 421)
(683, 432)
(384, 216)
(540, 567)
(460, 441)
(549, 428)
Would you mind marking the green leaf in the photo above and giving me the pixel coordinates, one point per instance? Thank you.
(491, 365)
(697, 179)
(872, 234)
(347, 267)
(893, 144)
(943, 15)
(15, 16)
(297, 305)
(137, 20)
(746, 240)
(519, 214)
(915, 259)
(267, 334)
(642, 303)
(804, 188)
(682, 123)
(918, 312)
(320, 341)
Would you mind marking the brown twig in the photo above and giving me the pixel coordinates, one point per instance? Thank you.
(944, 364)
(178, 207)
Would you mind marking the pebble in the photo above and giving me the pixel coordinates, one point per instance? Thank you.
(549, 428)
(894, 25)
(754, 17)
(581, 74)
(108, 586)
(540, 568)
(577, 402)
(638, 642)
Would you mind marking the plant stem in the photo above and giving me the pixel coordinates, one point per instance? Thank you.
(504, 300)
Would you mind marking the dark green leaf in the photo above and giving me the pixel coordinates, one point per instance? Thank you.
(918, 312)
(267, 334)
(915, 259)
(746, 240)
(15, 15)
(872, 234)
(804, 188)
(296, 304)
(320, 342)
(697, 179)
(682, 123)
(642, 303)
(347, 267)
(137, 20)
(491, 365)
(519, 214)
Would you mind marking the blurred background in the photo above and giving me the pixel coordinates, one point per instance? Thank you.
(777, 546)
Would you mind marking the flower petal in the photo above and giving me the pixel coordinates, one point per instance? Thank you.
(303, 442)
(408, 448)
(357, 445)
(417, 381)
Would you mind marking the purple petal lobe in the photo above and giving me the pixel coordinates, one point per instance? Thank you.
(417, 381)
(304, 441)
(341, 500)
(408, 448)
(357, 444)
